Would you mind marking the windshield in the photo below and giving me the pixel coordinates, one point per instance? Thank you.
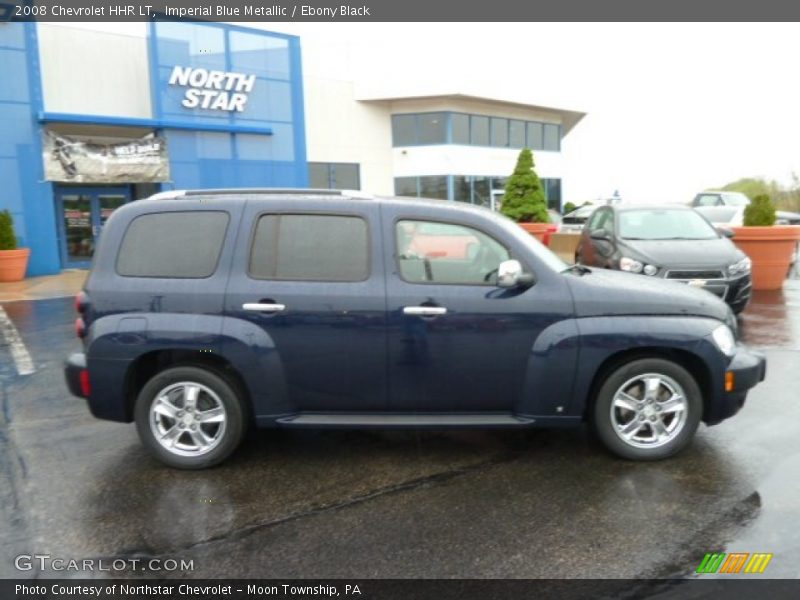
(736, 200)
(664, 224)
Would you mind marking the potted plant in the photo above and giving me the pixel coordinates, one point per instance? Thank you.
(523, 199)
(769, 246)
(13, 260)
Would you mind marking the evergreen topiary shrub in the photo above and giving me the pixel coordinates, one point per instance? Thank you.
(8, 241)
(760, 212)
(524, 199)
(569, 207)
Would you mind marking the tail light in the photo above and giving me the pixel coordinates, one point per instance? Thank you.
(80, 327)
(84, 379)
(81, 302)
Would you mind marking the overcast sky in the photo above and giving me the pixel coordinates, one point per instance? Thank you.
(671, 108)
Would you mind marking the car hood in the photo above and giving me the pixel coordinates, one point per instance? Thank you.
(602, 292)
(684, 253)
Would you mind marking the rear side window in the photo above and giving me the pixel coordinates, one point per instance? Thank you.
(179, 245)
(310, 248)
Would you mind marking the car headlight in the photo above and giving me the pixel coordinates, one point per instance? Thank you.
(630, 265)
(723, 338)
(650, 270)
(740, 267)
(635, 266)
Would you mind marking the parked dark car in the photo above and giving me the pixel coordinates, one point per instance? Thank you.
(210, 311)
(668, 242)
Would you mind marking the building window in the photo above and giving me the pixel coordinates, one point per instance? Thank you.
(404, 130)
(477, 130)
(432, 128)
(460, 128)
(433, 187)
(552, 191)
(551, 137)
(419, 130)
(334, 176)
(406, 186)
(535, 136)
(499, 132)
(516, 133)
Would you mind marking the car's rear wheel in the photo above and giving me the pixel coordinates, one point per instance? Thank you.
(189, 417)
(648, 409)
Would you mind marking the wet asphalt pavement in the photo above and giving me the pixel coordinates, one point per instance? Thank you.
(399, 504)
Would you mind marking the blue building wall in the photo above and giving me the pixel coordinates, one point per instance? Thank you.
(22, 187)
(261, 146)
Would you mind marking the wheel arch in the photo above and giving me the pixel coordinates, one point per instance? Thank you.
(149, 364)
(693, 363)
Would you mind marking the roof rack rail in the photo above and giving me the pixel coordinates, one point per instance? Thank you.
(298, 191)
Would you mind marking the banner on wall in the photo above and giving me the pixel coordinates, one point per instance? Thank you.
(70, 160)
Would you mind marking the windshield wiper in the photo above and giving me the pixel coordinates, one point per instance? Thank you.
(577, 269)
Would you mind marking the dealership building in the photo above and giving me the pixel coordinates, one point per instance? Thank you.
(92, 119)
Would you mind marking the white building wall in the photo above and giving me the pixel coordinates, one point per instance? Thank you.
(469, 160)
(85, 71)
(340, 129)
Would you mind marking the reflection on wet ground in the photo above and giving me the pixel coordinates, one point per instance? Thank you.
(402, 504)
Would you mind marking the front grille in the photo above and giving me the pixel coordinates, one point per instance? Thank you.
(707, 274)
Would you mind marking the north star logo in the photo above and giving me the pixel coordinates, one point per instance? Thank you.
(213, 90)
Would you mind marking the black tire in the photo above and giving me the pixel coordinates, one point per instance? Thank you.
(671, 375)
(222, 393)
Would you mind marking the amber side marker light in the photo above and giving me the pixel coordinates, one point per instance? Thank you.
(729, 381)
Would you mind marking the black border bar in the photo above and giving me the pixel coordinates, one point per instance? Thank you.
(400, 10)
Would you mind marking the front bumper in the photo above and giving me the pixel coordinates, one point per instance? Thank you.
(76, 374)
(746, 370)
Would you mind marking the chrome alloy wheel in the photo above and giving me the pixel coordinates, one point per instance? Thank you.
(187, 418)
(649, 410)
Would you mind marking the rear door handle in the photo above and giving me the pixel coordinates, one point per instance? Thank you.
(424, 311)
(263, 307)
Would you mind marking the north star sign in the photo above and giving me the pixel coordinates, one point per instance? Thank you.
(213, 90)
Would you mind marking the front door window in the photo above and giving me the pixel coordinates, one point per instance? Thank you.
(79, 237)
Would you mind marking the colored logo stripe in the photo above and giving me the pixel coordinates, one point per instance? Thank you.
(714, 562)
(757, 563)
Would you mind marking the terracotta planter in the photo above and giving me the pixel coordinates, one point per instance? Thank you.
(770, 249)
(13, 264)
(537, 230)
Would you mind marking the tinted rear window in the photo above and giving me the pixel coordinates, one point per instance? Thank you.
(310, 248)
(179, 245)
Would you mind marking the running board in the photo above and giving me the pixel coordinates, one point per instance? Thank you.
(403, 420)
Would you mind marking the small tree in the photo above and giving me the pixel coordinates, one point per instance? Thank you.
(8, 241)
(569, 207)
(524, 199)
(760, 212)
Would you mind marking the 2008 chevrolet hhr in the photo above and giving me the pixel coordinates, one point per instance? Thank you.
(208, 311)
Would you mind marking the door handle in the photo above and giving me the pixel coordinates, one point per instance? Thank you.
(263, 307)
(424, 311)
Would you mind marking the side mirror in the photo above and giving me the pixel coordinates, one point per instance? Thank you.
(728, 233)
(601, 235)
(510, 275)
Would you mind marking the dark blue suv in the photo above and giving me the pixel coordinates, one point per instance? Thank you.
(206, 312)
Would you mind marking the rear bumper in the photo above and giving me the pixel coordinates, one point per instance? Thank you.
(74, 366)
(748, 369)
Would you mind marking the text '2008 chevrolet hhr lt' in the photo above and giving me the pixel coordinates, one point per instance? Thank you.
(208, 311)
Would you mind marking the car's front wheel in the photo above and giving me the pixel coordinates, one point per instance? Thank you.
(648, 409)
(189, 417)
